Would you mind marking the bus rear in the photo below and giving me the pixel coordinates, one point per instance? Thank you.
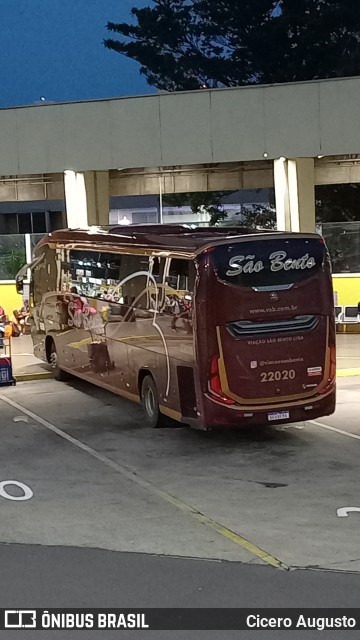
(266, 342)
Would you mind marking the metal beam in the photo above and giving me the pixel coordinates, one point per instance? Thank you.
(30, 188)
(180, 179)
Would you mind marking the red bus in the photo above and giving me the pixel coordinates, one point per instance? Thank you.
(213, 327)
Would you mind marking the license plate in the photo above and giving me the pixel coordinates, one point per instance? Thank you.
(278, 415)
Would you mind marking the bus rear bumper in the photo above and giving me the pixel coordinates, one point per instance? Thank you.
(216, 416)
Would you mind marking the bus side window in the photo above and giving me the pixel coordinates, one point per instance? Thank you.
(156, 292)
(134, 289)
(181, 275)
(157, 268)
(179, 283)
(179, 292)
(92, 273)
(44, 276)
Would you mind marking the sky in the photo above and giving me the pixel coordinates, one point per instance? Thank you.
(54, 49)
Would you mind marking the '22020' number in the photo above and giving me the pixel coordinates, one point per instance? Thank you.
(276, 376)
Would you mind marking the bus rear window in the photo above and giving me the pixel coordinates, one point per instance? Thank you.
(268, 263)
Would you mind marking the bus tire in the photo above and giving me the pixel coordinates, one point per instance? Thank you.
(59, 374)
(150, 403)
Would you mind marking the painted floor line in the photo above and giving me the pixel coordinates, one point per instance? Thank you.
(340, 431)
(36, 375)
(347, 373)
(15, 355)
(131, 474)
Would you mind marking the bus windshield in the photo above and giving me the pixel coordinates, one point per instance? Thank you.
(269, 263)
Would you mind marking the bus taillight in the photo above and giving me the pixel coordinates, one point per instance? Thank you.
(332, 371)
(215, 384)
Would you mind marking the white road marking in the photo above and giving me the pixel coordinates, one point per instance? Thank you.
(288, 426)
(343, 512)
(21, 419)
(127, 472)
(340, 431)
(131, 474)
(28, 494)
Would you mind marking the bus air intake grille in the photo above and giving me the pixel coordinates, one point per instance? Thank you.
(245, 328)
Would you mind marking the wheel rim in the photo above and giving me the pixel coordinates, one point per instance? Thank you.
(150, 402)
(53, 360)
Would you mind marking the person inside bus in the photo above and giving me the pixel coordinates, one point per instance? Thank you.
(76, 300)
(80, 303)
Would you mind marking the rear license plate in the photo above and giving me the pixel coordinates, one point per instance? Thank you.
(278, 415)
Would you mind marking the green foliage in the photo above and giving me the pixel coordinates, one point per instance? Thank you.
(259, 217)
(337, 203)
(209, 201)
(183, 44)
(343, 242)
(12, 256)
(14, 261)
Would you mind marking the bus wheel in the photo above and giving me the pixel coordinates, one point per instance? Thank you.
(150, 403)
(59, 374)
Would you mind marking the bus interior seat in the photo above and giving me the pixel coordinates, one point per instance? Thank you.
(338, 314)
(351, 314)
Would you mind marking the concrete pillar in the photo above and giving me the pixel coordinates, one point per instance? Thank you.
(301, 175)
(295, 194)
(87, 198)
(75, 200)
(282, 202)
(98, 200)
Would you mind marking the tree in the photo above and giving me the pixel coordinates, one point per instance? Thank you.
(337, 203)
(259, 216)
(184, 44)
(12, 256)
(322, 40)
(188, 44)
(210, 201)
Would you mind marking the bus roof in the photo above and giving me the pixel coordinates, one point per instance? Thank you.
(163, 237)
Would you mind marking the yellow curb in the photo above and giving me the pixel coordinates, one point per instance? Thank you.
(40, 375)
(346, 373)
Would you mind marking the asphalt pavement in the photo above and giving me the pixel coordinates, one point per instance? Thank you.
(69, 577)
(119, 515)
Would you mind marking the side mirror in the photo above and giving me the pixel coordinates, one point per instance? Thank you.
(20, 284)
(358, 307)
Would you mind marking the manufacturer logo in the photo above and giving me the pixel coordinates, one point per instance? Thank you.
(314, 371)
(274, 296)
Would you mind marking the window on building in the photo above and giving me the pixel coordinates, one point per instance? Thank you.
(30, 222)
(38, 222)
(8, 224)
(24, 223)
